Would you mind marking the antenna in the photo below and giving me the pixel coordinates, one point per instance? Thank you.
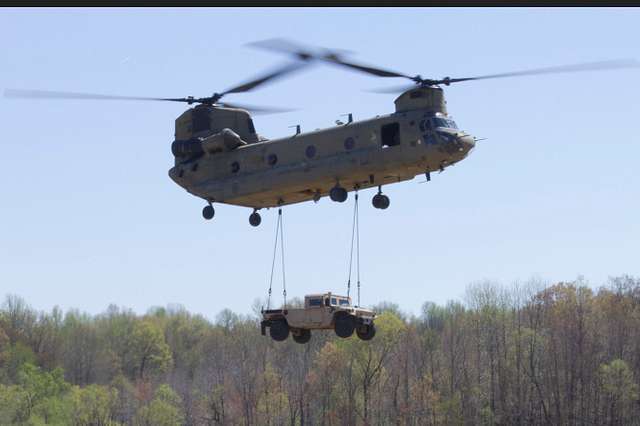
(297, 126)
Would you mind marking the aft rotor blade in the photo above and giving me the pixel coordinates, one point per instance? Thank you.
(587, 66)
(280, 72)
(379, 72)
(255, 109)
(395, 89)
(49, 94)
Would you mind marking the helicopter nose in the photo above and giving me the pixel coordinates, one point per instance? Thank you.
(467, 142)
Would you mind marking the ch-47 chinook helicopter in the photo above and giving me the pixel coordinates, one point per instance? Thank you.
(219, 156)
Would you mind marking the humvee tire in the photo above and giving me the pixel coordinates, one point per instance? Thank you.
(344, 325)
(366, 332)
(279, 330)
(303, 337)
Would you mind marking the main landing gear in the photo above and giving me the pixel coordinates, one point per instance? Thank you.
(254, 218)
(338, 194)
(208, 212)
(380, 201)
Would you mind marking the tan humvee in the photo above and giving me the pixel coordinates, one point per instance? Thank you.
(321, 312)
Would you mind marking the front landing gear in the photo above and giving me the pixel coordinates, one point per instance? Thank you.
(254, 218)
(208, 212)
(338, 194)
(380, 201)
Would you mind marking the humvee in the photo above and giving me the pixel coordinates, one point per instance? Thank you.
(321, 312)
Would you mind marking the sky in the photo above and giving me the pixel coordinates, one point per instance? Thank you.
(89, 216)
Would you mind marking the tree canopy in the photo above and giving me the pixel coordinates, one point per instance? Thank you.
(525, 354)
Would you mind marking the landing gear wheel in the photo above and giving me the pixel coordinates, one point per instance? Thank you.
(208, 212)
(302, 337)
(255, 219)
(380, 201)
(366, 332)
(279, 330)
(344, 326)
(338, 194)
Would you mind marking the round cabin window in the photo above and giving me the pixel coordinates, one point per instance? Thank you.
(235, 167)
(272, 159)
(349, 143)
(310, 152)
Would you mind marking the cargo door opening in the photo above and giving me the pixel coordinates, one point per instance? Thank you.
(390, 134)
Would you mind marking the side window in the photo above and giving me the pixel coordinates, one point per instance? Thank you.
(315, 302)
(390, 134)
(334, 301)
(252, 129)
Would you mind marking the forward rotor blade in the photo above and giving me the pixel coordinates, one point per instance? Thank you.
(587, 66)
(282, 45)
(255, 109)
(49, 94)
(280, 72)
(323, 54)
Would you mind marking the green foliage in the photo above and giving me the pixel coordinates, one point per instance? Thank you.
(14, 357)
(150, 353)
(163, 410)
(620, 389)
(564, 354)
(93, 405)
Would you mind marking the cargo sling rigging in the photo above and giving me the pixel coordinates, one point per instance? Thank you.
(355, 244)
(355, 234)
(280, 236)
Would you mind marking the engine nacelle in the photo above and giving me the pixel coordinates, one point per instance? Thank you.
(186, 148)
(226, 140)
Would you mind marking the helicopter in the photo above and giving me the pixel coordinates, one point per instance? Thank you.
(219, 156)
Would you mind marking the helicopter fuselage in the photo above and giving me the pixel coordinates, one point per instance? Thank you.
(306, 166)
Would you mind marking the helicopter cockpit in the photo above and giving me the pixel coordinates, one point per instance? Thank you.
(443, 122)
(438, 122)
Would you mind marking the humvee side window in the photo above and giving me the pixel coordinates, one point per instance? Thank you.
(315, 302)
(334, 301)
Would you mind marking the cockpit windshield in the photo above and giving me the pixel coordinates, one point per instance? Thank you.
(443, 122)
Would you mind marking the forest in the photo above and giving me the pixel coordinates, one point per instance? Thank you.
(529, 353)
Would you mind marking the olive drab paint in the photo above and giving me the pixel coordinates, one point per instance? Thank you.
(228, 162)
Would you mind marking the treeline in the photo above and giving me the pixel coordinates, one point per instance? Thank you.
(561, 355)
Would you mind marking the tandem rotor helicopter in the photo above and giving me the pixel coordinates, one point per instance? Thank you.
(220, 157)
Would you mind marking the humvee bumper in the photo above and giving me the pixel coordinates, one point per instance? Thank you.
(365, 320)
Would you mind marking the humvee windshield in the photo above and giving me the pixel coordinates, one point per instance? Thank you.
(344, 302)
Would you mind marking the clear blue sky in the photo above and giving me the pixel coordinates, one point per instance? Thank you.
(88, 215)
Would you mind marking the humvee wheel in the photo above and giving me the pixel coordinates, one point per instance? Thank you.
(279, 330)
(302, 337)
(344, 325)
(366, 332)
